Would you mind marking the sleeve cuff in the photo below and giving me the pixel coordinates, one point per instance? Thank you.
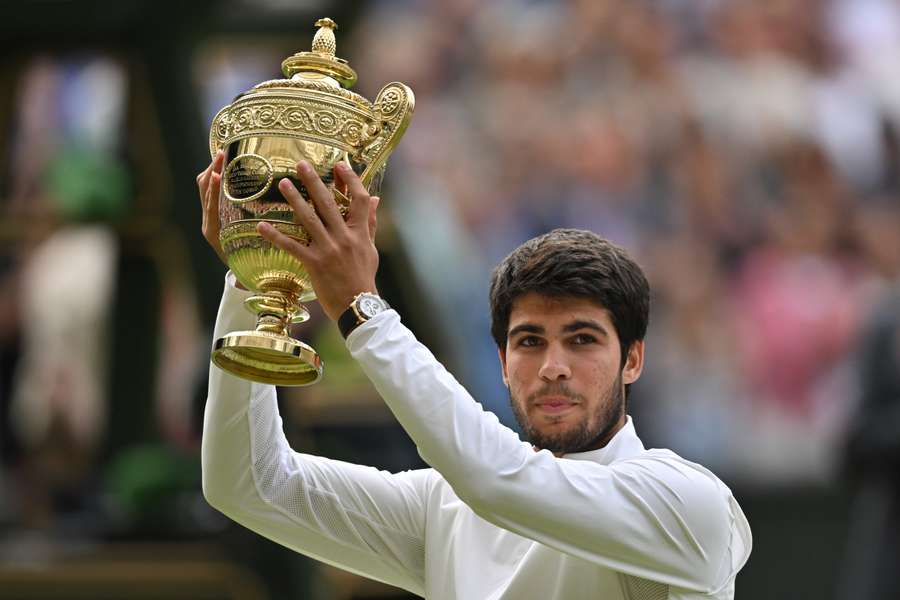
(231, 284)
(232, 314)
(358, 336)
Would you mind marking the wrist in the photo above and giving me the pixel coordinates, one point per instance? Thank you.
(364, 306)
(334, 309)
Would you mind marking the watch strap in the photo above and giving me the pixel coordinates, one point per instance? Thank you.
(348, 321)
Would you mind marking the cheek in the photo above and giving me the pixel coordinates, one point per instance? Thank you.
(512, 363)
(516, 372)
(599, 373)
(512, 375)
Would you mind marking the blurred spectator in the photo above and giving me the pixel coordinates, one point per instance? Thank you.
(66, 180)
(70, 186)
(873, 462)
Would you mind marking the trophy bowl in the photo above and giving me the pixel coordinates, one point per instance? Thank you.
(265, 132)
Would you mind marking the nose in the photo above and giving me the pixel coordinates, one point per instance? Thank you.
(554, 366)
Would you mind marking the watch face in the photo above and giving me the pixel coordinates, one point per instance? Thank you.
(370, 305)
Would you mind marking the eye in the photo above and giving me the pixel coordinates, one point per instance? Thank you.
(584, 338)
(528, 341)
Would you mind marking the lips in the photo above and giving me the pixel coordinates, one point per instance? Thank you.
(554, 405)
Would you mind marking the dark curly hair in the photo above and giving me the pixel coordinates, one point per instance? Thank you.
(579, 264)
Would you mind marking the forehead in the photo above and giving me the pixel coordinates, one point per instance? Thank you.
(551, 312)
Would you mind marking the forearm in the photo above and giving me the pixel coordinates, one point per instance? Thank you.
(225, 451)
(346, 515)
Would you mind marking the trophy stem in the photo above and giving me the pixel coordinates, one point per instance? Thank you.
(269, 354)
(272, 324)
(276, 309)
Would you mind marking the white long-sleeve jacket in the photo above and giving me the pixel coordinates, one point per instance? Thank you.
(492, 519)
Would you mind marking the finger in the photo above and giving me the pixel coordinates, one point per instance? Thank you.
(340, 186)
(321, 196)
(219, 161)
(204, 198)
(203, 178)
(280, 240)
(211, 215)
(359, 205)
(218, 166)
(373, 218)
(303, 213)
(212, 203)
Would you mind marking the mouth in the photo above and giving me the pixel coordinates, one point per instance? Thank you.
(555, 405)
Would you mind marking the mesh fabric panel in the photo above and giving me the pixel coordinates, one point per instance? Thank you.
(644, 589)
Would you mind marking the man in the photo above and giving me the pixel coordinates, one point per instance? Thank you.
(580, 511)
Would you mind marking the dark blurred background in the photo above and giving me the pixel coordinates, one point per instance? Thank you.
(746, 151)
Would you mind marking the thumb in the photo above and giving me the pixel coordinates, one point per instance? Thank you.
(373, 217)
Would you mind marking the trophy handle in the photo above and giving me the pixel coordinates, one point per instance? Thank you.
(394, 107)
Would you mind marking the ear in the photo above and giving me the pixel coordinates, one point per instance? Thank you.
(634, 363)
(502, 353)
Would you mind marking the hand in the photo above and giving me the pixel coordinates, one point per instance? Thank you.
(210, 183)
(341, 257)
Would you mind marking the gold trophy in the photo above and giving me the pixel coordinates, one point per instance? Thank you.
(310, 116)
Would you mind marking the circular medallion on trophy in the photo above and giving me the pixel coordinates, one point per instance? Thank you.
(247, 177)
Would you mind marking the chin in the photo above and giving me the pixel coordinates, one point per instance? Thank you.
(553, 422)
(544, 431)
(551, 425)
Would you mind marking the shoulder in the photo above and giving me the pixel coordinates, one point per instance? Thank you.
(663, 462)
(689, 483)
(704, 505)
(666, 461)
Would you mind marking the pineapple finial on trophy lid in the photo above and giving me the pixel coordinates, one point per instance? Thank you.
(324, 42)
(321, 60)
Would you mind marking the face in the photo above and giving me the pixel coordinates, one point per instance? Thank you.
(562, 365)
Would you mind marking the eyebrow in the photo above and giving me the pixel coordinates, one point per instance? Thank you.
(525, 328)
(567, 328)
(584, 324)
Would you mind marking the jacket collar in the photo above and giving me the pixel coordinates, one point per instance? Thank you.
(625, 444)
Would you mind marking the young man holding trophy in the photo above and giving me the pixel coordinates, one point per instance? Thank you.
(583, 510)
(580, 510)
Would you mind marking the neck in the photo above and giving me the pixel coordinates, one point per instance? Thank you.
(603, 439)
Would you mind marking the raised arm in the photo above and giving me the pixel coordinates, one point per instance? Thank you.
(355, 517)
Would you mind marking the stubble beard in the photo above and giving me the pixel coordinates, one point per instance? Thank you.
(583, 436)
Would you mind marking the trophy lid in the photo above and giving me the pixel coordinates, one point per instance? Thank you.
(321, 59)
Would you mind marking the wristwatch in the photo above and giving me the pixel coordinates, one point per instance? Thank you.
(364, 307)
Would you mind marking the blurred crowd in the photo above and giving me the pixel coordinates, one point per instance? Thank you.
(747, 152)
(100, 355)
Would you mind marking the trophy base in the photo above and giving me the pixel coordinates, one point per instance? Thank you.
(267, 357)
